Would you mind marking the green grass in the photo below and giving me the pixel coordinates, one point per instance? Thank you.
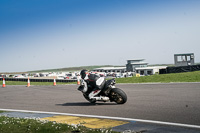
(21, 125)
(163, 78)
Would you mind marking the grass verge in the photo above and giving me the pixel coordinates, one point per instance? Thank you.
(27, 125)
(163, 78)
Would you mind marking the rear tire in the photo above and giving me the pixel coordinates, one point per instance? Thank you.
(119, 96)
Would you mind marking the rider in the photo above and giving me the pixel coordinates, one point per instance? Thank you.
(95, 81)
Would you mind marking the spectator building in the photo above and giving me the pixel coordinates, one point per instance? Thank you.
(133, 64)
(184, 59)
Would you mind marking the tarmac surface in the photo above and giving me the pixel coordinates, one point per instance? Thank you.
(92, 122)
(172, 107)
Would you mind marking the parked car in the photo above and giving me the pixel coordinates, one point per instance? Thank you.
(18, 76)
(61, 77)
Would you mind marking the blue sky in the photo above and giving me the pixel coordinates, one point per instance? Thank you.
(47, 34)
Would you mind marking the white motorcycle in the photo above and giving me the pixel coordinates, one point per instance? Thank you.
(108, 93)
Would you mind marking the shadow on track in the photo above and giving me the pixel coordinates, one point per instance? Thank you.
(84, 104)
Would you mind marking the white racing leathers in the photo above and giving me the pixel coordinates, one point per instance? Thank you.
(96, 82)
(84, 86)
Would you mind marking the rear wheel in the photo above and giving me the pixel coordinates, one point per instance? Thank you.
(117, 95)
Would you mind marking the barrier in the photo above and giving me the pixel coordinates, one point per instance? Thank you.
(54, 82)
(78, 80)
(39, 80)
(4, 83)
(179, 69)
(29, 84)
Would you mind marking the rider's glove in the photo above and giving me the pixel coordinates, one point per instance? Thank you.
(80, 88)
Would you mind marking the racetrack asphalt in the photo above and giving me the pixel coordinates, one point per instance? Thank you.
(171, 102)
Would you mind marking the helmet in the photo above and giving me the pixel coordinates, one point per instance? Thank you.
(83, 73)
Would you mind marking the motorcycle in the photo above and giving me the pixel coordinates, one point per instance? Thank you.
(108, 93)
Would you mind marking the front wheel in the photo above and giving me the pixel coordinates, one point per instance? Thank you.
(117, 95)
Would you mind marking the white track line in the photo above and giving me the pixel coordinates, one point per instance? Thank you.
(107, 117)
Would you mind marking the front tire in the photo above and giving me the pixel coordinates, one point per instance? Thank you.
(119, 96)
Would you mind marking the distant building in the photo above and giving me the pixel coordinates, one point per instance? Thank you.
(184, 59)
(149, 70)
(133, 64)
